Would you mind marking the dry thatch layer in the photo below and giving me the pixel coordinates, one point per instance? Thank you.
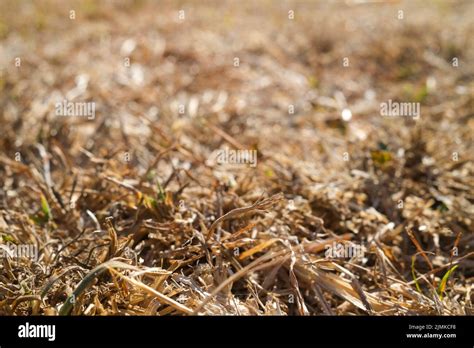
(131, 214)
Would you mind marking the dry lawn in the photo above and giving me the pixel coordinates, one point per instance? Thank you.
(129, 212)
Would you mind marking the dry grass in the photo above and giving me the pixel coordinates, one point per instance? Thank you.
(131, 216)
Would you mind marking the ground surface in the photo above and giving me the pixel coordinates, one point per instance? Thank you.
(136, 190)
